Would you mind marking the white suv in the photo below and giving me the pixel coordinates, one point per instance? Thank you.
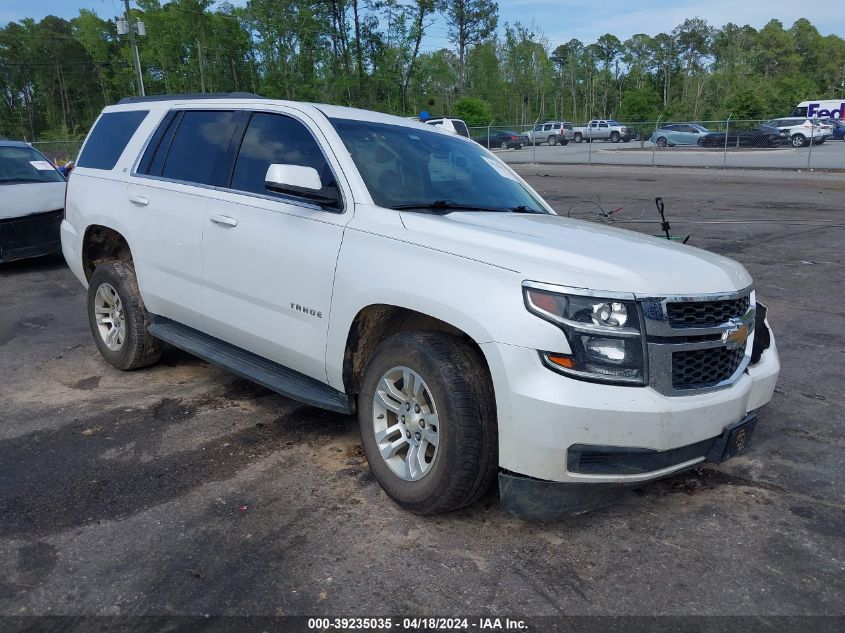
(364, 263)
(802, 131)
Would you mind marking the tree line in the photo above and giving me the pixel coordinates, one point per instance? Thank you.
(56, 74)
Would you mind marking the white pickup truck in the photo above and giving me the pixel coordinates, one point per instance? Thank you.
(601, 130)
(368, 264)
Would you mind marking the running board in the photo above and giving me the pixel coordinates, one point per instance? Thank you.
(265, 372)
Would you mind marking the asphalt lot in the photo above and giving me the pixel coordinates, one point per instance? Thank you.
(183, 490)
(829, 156)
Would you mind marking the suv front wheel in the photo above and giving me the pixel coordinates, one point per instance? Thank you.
(118, 319)
(427, 420)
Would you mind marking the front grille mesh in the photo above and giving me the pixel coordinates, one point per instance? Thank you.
(706, 313)
(701, 368)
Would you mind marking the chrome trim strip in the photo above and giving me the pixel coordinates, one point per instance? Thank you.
(581, 292)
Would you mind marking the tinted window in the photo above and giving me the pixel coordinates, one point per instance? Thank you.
(201, 138)
(461, 128)
(109, 138)
(275, 138)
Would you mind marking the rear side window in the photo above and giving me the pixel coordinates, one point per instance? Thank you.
(201, 138)
(276, 138)
(109, 138)
(461, 128)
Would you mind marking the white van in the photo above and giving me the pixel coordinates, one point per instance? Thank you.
(820, 109)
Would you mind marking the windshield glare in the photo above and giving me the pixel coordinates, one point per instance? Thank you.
(24, 164)
(404, 166)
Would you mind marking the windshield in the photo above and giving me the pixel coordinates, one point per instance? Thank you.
(405, 166)
(20, 164)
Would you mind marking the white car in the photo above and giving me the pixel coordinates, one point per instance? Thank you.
(364, 263)
(455, 126)
(802, 131)
(33, 199)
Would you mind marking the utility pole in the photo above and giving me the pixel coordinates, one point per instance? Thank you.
(126, 27)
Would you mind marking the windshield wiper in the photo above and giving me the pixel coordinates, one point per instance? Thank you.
(446, 206)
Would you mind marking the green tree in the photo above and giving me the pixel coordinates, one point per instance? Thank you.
(473, 111)
(470, 22)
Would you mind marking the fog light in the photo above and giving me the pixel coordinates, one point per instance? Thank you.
(611, 313)
(606, 349)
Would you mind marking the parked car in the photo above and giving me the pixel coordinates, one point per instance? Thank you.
(455, 126)
(837, 127)
(802, 131)
(503, 139)
(601, 130)
(673, 134)
(759, 136)
(362, 263)
(33, 200)
(551, 132)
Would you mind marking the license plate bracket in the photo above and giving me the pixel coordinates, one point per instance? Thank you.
(735, 440)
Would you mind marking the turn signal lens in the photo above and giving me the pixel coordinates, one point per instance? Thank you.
(560, 359)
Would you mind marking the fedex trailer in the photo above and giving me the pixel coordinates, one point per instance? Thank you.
(821, 109)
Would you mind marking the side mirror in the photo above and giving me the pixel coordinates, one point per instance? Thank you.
(301, 181)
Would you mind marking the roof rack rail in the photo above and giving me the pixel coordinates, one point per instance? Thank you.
(192, 95)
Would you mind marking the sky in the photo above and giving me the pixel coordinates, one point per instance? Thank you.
(558, 20)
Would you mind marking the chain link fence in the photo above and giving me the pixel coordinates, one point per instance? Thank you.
(59, 152)
(730, 143)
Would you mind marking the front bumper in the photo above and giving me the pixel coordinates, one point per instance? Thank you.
(30, 236)
(542, 415)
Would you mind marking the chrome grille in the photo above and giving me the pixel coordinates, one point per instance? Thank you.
(706, 313)
(703, 368)
(691, 344)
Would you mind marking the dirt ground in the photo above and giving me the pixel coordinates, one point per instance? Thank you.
(184, 490)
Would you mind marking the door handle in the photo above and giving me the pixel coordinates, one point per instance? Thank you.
(224, 220)
(141, 201)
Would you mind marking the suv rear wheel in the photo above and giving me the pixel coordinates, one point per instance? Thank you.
(552, 140)
(118, 319)
(427, 421)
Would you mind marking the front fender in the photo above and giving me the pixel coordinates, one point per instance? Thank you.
(482, 300)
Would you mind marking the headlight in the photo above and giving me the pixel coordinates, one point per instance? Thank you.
(604, 334)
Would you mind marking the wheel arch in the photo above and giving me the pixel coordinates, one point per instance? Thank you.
(102, 243)
(376, 322)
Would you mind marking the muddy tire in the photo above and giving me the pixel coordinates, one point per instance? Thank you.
(422, 386)
(118, 319)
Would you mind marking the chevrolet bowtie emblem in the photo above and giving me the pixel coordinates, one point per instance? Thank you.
(736, 334)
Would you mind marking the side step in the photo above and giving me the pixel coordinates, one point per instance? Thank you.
(265, 372)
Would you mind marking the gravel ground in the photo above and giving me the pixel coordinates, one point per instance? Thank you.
(184, 490)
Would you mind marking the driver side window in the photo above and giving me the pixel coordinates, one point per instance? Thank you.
(276, 138)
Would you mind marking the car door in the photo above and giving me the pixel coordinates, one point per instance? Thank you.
(268, 259)
(168, 196)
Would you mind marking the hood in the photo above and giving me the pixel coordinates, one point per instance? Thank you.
(20, 199)
(559, 250)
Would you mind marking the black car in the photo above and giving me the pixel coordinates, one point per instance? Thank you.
(503, 139)
(759, 136)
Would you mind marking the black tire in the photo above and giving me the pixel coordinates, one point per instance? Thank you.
(615, 137)
(578, 137)
(139, 349)
(798, 140)
(467, 460)
(552, 140)
(564, 141)
(661, 142)
(504, 145)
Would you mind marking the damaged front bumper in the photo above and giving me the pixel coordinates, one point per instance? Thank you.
(30, 236)
(578, 447)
